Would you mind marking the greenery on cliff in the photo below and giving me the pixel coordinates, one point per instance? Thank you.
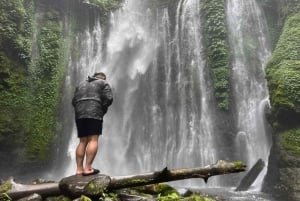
(15, 52)
(218, 49)
(283, 74)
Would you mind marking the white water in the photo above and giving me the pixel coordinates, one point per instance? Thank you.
(248, 38)
(164, 113)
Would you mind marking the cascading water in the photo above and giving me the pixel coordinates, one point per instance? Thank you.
(164, 113)
(248, 39)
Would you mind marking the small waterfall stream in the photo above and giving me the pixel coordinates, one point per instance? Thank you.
(248, 39)
(164, 113)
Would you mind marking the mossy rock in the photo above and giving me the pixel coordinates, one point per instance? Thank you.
(283, 74)
(291, 141)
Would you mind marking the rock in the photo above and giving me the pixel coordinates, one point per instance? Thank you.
(33, 197)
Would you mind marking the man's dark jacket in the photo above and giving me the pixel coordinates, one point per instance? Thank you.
(92, 99)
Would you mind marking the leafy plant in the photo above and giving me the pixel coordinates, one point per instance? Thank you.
(217, 49)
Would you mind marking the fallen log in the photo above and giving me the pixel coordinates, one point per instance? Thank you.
(95, 185)
(251, 176)
(17, 191)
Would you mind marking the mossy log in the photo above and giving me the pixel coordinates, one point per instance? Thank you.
(95, 185)
(16, 190)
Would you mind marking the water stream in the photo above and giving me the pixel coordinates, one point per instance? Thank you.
(251, 50)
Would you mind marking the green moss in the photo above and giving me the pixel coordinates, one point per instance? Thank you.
(291, 141)
(239, 165)
(283, 74)
(217, 49)
(96, 187)
(59, 198)
(106, 6)
(85, 198)
(44, 82)
(169, 197)
(5, 197)
(5, 187)
(15, 43)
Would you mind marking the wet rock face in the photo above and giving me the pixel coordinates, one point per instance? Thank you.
(283, 178)
(289, 174)
(290, 178)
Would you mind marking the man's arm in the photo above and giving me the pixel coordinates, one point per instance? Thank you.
(107, 96)
(73, 99)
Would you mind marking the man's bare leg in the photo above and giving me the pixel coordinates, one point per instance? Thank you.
(80, 153)
(91, 151)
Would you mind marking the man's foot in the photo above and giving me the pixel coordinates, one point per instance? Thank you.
(92, 172)
(79, 172)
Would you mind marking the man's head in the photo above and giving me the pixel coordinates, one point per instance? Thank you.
(100, 75)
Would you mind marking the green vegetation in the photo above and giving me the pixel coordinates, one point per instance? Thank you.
(291, 141)
(5, 197)
(218, 49)
(107, 5)
(5, 187)
(15, 53)
(44, 83)
(164, 192)
(283, 74)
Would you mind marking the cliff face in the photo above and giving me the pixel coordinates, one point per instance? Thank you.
(283, 75)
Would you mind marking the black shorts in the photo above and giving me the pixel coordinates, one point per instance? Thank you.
(86, 127)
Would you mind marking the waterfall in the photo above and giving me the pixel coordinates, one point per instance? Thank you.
(248, 39)
(160, 118)
(164, 112)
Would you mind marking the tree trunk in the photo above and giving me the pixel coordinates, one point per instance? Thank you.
(251, 176)
(94, 185)
(18, 191)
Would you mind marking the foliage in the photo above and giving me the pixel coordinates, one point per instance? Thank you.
(5, 187)
(107, 4)
(15, 30)
(29, 90)
(165, 192)
(5, 197)
(218, 49)
(15, 52)
(291, 141)
(44, 82)
(283, 74)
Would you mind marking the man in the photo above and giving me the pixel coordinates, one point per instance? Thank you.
(91, 101)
